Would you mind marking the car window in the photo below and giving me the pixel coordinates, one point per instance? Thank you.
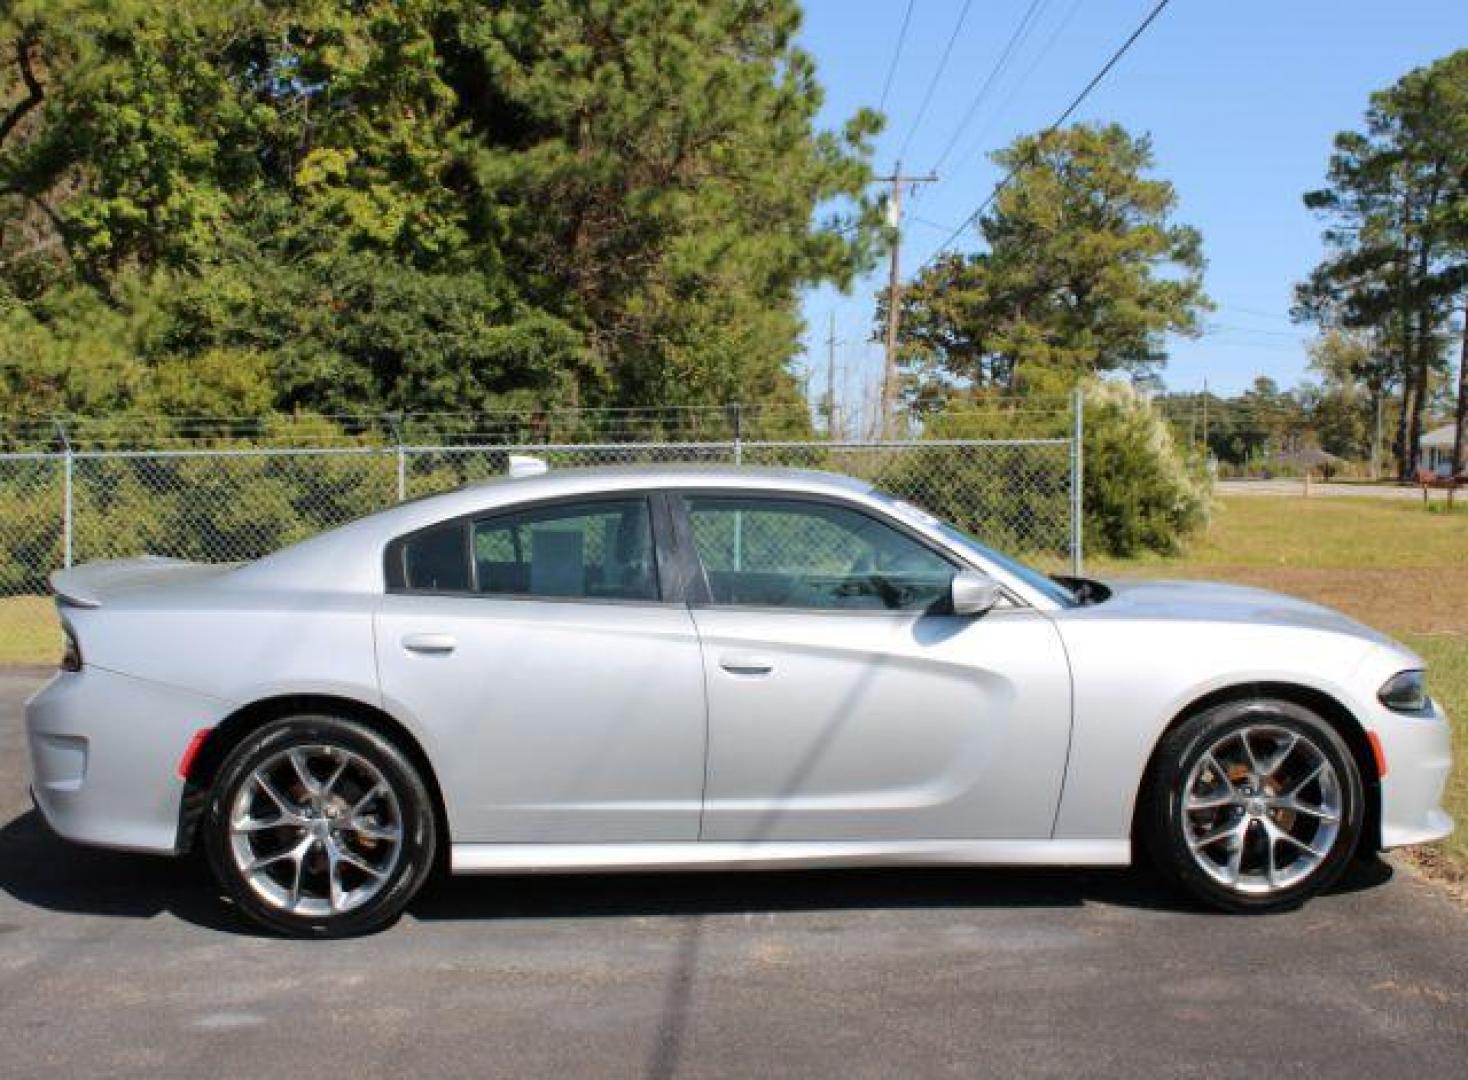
(801, 554)
(1041, 583)
(597, 550)
(433, 560)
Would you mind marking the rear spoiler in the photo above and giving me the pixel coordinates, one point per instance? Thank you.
(87, 586)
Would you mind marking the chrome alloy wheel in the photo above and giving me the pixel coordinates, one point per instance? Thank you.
(1261, 809)
(316, 830)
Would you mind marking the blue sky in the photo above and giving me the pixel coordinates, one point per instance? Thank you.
(1241, 99)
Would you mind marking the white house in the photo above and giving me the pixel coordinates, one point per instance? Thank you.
(1437, 450)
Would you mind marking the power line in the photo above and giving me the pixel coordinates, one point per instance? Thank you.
(1065, 21)
(1021, 31)
(1233, 328)
(1061, 119)
(929, 222)
(1257, 312)
(896, 54)
(933, 82)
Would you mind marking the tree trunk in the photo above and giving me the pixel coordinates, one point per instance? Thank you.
(1403, 441)
(1419, 401)
(1460, 435)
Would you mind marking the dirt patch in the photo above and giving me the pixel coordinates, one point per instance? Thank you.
(1418, 600)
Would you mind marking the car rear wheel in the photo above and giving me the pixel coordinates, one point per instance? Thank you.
(319, 827)
(1254, 805)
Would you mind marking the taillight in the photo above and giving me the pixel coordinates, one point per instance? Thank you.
(71, 653)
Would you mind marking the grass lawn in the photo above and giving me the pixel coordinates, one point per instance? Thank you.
(1389, 563)
(29, 632)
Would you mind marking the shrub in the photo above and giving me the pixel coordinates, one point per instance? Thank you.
(1141, 491)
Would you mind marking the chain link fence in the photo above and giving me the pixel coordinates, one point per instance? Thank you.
(227, 504)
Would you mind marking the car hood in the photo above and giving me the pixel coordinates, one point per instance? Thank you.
(1208, 601)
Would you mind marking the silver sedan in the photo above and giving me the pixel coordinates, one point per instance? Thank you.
(644, 669)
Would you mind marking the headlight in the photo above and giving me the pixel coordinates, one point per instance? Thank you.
(1406, 692)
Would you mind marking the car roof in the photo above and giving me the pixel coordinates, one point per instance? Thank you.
(681, 474)
(350, 556)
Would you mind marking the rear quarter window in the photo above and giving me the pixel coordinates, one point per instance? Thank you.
(435, 560)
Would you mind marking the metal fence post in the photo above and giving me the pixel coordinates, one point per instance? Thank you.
(738, 433)
(394, 422)
(1077, 467)
(68, 501)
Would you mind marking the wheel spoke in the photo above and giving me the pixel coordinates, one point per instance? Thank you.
(1219, 772)
(1309, 777)
(1295, 806)
(253, 825)
(1278, 758)
(1291, 838)
(1210, 802)
(263, 783)
(370, 830)
(334, 879)
(296, 853)
(1269, 877)
(361, 804)
(303, 773)
(1236, 852)
(1223, 832)
(1254, 766)
(299, 870)
(352, 859)
(330, 785)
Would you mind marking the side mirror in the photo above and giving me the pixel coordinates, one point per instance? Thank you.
(972, 592)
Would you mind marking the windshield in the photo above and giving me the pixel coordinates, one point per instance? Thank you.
(1046, 586)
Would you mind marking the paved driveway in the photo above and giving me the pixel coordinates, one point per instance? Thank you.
(1320, 490)
(114, 965)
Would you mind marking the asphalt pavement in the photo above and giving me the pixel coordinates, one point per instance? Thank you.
(120, 965)
(1295, 487)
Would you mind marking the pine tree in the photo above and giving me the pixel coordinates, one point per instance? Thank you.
(1083, 271)
(1396, 207)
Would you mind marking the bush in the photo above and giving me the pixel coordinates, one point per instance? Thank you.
(1141, 492)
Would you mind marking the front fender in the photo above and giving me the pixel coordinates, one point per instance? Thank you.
(1133, 678)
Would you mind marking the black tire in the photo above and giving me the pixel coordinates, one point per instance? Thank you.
(1164, 829)
(412, 802)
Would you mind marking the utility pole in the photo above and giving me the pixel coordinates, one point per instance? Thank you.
(894, 294)
(833, 424)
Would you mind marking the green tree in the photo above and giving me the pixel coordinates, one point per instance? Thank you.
(1396, 207)
(1342, 405)
(421, 204)
(1083, 271)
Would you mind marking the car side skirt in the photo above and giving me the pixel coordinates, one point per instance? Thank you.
(782, 855)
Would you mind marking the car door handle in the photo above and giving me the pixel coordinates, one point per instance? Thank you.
(435, 644)
(746, 664)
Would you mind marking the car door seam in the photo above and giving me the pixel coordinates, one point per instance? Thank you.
(1070, 733)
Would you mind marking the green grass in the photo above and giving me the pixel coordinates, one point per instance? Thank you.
(1447, 676)
(29, 630)
(1343, 532)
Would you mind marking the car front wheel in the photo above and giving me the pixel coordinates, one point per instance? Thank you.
(318, 826)
(1254, 805)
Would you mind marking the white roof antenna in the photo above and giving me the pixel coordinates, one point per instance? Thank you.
(526, 465)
